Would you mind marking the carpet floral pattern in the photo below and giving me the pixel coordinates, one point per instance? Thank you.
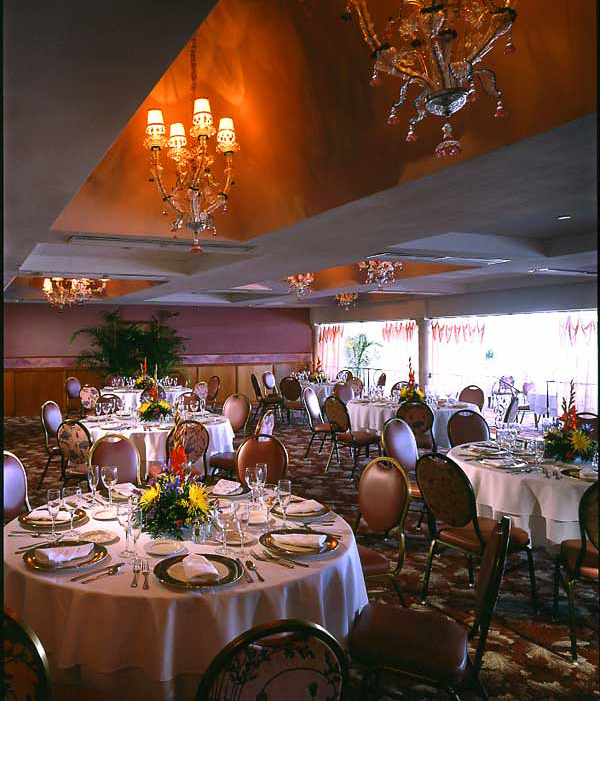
(527, 656)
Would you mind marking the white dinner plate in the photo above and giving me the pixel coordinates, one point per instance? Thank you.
(234, 539)
(32, 520)
(107, 514)
(177, 572)
(99, 537)
(165, 547)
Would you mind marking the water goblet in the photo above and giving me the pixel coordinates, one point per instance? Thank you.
(53, 500)
(93, 477)
(70, 501)
(243, 517)
(284, 495)
(123, 517)
(250, 478)
(109, 476)
(540, 450)
(136, 523)
(228, 515)
(98, 408)
(261, 478)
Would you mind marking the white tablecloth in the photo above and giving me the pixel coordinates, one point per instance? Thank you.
(546, 508)
(441, 418)
(121, 637)
(131, 397)
(323, 391)
(152, 443)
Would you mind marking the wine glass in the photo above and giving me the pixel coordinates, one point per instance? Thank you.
(136, 523)
(251, 481)
(53, 507)
(71, 500)
(123, 517)
(243, 517)
(109, 476)
(261, 479)
(227, 518)
(540, 450)
(93, 477)
(284, 495)
(98, 408)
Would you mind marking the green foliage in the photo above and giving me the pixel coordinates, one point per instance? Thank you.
(119, 345)
(357, 352)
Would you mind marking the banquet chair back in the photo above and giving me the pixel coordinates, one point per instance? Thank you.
(16, 499)
(188, 401)
(511, 412)
(447, 493)
(72, 388)
(179, 377)
(588, 422)
(256, 387)
(528, 386)
(117, 451)
(344, 374)
(214, 383)
(26, 671)
(194, 438)
(88, 397)
(262, 449)
(153, 392)
(289, 660)
(472, 394)
(467, 427)
(114, 380)
(112, 402)
(269, 382)
(201, 390)
(419, 418)
(399, 442)
(357, 386)
(397, 388)
(337, 414)
(384, 496)
(237, 409)
(266, 424)
(290, 389)
(51, 417)
(313, 407)
(344, 392)
(74, 442)
(381, 380)
(589, 520)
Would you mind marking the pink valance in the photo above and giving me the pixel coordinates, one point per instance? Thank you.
(465, 332)
(330, 333)
(573, 329)
(394, 331)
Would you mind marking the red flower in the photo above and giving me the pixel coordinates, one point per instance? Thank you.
(178, 523)
(178, 457)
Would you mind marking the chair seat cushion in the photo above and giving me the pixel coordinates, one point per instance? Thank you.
(464, 536)
(273, 399)
(415, 491)
(77, 469)
(360, 437)
(296, 405)
(372, 562)
(419, 642)
(224, 461)
(569, 552)
(326, 427)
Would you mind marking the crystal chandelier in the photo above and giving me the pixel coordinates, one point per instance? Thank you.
(345, 300)
(379, 271)
(71, 292)
(439, 44)
(300, 284)
(196, 195)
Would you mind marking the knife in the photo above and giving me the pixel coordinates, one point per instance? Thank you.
(110, 571)
(95, 571)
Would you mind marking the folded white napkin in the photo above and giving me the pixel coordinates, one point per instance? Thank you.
(308, 506)
(60, 555)
(224, 487)
(588, 473)
(44, 515)
(199, 568)
(500, 462)
(299, 540)
(257, 517)
(125, 488)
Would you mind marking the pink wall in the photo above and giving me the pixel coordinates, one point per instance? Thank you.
(33, 330)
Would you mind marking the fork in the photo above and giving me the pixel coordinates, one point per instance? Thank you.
(137, 568)
(145, 572)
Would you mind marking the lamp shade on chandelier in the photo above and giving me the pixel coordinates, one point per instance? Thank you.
(379, 271)
(345, 300)
(300, 284)
(435, 49)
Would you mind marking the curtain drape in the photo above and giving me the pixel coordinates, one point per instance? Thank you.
(398, 331)
(329, 348)
(577, 358)
(458, 355)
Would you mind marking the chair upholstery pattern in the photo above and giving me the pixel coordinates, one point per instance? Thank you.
(194, 438)
(472, 394)
(337, 414)
(188, 401)
(266, 425)
(467, 427)
(201, 389)
(74, 442)
(113, 402)
(154, 390)
(237, 409)
(88, 397)
(447, 491)
(419, 418)
(16, 499)
(262, 449)
(26, 672)
(282, 660)
(344, 392)
(117, 451)
(357, 386)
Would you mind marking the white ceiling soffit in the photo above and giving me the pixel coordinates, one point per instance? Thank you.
(414, 258)
(179, 245)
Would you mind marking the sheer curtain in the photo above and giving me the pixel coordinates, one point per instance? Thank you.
(400, 343)
(330, 347)
(577, 358)
(458, 355)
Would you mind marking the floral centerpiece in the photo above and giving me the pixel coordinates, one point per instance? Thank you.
(154, 408)
(174, 501)
(144, 381)
(318, 375)
(565, 442)
(411, 391)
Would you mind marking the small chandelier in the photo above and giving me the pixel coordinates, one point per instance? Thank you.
(71, 292)
(379, 271)
(438, 47)
(345, 300)
(300, 284)
(196, 195)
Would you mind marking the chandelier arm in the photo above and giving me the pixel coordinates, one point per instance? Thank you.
(224, 194)
(366, 24)
(487, 79)
(485, 47)
(202, 142)
(166, 197)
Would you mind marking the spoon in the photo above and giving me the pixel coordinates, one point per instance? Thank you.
(251, 565)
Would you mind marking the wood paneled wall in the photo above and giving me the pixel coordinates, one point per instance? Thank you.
(25, 389)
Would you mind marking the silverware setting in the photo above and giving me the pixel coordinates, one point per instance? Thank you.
(308, 528)
(252, 566)
(145, 572)
(108, 573)
(289, 560)
(137, 568)
(94, 571)
(247, 575)
(272, 560)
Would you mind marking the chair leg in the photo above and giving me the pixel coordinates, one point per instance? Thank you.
(470, 571)
(323, 442)
(309, 445)
(555, 594)
(45, 471)
(572, 627)
(428, 571)
(534, 598)
(356, 452)
(480, 688)
(333, 448)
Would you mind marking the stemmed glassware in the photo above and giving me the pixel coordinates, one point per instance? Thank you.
(109, 478)
(53, 507)
(93, 480)
(123, 517)
(243, 517)
(71, 500)
(540, 449)
(136, 522)
(284, 495)
(98, 408)
(227, 517)
(251, 481)
(261, 479)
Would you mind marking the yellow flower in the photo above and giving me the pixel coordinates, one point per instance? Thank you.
(198, 498)
(149, 496)
(580, 440)
(164, 404)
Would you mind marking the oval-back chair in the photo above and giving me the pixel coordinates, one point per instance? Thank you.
(109, 403)
(472, 394)
(344, 392)
(397, 388)
(341, 432)
(262, 449)
(117, 451)
(114, 380)
(419, 417)
(511, 412)
(16, 499)
(214, 383)
(88, 396)
(72, 390)
(291, 391)
(357, 386)
(26, 671)
(74, 442)
(315, 417)
(237, 409)
(194, 438)
(266, 424)
(381, 380)
(589, 423)
(399, 442)
(201, 389)
(467, 427)
(188, 401)
(345, 374)
(51, 418)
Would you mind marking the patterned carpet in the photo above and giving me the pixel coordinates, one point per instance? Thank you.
(526, 657)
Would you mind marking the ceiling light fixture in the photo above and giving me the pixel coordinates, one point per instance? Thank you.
(438, 47)
(300, 284)
(196, 195)
(379, 271)
(71, 292)
(345, 300)
(564, 217)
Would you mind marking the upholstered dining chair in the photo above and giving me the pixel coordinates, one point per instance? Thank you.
(381, 380)
(357, 386)
(579, 559)
(399, 442)
(472, 394)
(113, 380)
(589, 423)
(262, 449)
(383, 500)
(291, 391)
(26, 671)
(188, 401)
(237, 409)
(153, 391)
(201, 390)
(179, 377)
(453, 521)
(214, 384)
(194, 438)
(117, 451)
(109, 403)
(284, 660)
(88, 397)
(419, 418)
(467, 427)
(16, 499)
(51, 417)
(425, 646)
(266, 424)
(344, 392)
(270, 391)
(74, 442)
(315, 418)
(397, 388)
(344, 374)
(72, 390)
(342, 434)
(264, 402)
(528, 388)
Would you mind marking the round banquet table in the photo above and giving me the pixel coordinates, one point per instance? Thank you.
(373, 415)
(151, 440)
(131, 397)
(155, 644)
(323, 390)
(547, 508)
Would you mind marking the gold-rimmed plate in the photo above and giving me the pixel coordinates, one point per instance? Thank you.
(575, 474)
(99, 536)
(267, 541)
(301, 516)
(98, 554)
(170, 572)
(240, 492)
(29, 521)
